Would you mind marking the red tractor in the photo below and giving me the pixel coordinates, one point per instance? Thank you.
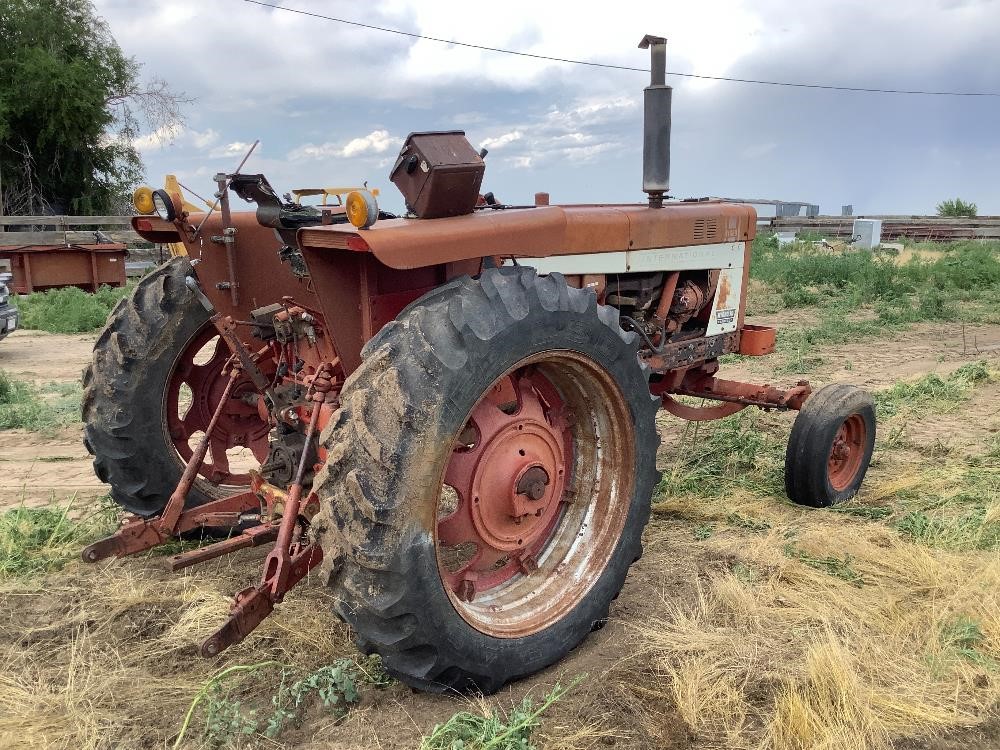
(451, 413)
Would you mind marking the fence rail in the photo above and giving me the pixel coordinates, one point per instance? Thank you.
(893, 226)
(65, 230)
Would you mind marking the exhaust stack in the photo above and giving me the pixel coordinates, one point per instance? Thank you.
(656, 123)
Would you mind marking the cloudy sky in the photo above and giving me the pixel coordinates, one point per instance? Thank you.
(332, 103)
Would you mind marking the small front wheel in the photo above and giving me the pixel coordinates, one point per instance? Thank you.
(830, 446)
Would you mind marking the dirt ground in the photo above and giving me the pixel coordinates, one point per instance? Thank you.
(37, 468)
(144, 621)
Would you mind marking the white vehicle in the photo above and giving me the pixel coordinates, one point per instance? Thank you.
(8, 313)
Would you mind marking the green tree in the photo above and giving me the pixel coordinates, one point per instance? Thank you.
(71, 105)
(956, 207)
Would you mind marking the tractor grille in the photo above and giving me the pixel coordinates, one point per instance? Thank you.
(706, 229)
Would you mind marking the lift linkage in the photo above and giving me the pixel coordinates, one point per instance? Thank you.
(262, 515)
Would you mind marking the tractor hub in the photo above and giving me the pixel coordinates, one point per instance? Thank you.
(512, 489)
(509, 472)
(847, 452)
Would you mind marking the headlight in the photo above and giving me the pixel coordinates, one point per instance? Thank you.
(142, 200)
(362, 208)
(163, 205)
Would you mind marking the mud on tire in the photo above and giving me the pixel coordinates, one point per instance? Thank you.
(124, 387)
(390, 442)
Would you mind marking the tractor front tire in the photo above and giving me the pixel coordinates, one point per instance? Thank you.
(124, 387)
(488, 479)
(830, 446)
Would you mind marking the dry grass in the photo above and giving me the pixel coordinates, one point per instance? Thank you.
(751, 623)
(107, 658)
(833, 630)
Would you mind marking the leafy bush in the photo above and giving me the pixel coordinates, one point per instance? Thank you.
(956, 207)
(69, 310)
(228, 720)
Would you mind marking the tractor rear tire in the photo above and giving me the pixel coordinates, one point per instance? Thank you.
(429, 397)
(830, 446)
(124, 389)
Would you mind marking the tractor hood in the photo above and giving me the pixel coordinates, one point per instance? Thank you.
(539, 232)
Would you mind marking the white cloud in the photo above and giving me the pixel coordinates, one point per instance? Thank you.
(579, 131)
(175, 135)
(594, 115)
(502, 140)
(159, 138)
(236, 148)
(376, 142)
(204, 139)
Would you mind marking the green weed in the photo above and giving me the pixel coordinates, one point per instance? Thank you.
(41, 540)
(227, 719)
(733, 452)
(750, 524)
(869, 512)
(961, 283)
(963, 636)
(963, 532)
(333, 686)
(932, 391)
(491, 730)
(746, 574)
(835, 566)
(703, 531)
(69, 310)
(22, 406)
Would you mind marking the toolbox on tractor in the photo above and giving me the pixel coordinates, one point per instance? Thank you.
(439, 174)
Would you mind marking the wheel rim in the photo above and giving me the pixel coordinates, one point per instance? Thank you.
(537, 492)
(847, 452)
(194, 387)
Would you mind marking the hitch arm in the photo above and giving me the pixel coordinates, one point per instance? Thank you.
(144, 534)
(290, 560)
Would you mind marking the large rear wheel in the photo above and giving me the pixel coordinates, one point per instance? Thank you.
(155, 380)
(488, 480)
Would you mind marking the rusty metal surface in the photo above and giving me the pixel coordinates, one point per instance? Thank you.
(751, 394)
(563, 431)
(847, 452)
(254, 604)
(241, 424)
(700, 413)
(142, 534)
(733, 395)
(540, 232)
(693, 351)
(252, 537)
(756, 341)
(38, 267)
(438, 173)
